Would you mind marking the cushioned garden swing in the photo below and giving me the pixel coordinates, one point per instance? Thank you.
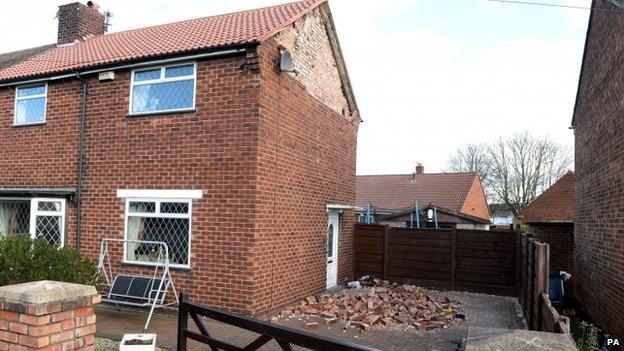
(138, 290)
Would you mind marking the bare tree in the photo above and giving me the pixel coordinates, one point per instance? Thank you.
(523, 166)
(472, 158)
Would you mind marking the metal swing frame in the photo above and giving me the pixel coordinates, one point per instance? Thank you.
(155, 296)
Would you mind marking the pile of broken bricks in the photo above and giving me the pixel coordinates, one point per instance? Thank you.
(382, 305)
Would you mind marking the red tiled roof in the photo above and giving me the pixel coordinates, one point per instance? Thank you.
(11, 58)
(555, 205)
(238, 28)
(398, 191)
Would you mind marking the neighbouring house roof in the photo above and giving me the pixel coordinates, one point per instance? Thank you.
(11, 58)
(233, 29)
(555, 205)
(461, 193)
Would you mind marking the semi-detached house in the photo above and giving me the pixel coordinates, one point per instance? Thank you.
(191, 134)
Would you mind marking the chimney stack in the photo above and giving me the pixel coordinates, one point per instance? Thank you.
(77, 22)
(420, 169)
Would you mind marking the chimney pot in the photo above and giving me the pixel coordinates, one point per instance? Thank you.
(420, 169)
(93, 5)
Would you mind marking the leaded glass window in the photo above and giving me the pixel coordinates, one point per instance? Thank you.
(30, 104)
(158, 220)
(163, 89)
(40, 218)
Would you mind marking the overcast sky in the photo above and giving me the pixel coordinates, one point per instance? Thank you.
(429, 75)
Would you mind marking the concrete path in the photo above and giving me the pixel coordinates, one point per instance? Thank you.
(484, 339)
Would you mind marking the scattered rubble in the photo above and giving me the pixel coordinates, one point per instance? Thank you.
(381, 305)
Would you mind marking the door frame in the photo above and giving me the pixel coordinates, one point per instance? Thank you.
(333, 217)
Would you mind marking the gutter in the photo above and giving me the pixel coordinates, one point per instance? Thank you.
(79, 176)
(127, 66)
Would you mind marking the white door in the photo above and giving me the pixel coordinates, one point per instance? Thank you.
(333, 228)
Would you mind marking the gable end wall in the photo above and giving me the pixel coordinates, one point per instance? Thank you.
(313, 59)
(599, 173)
(306, 160)
(475, 203)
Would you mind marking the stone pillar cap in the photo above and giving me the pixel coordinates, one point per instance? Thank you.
(45, 291)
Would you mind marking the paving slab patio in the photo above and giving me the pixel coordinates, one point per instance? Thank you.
(483, 311)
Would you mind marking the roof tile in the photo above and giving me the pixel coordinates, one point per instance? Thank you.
(555, 205)
(238, 28)
(398, 191)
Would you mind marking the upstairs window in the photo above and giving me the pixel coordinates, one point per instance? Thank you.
(30, 104)
(163, 89)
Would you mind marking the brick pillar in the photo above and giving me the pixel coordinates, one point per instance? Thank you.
(47, 315)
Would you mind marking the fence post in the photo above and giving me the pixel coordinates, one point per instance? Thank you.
(453, 256)
(538, 288)
(530, 280)
(524, 272)
(386, 251)
(182, 322)
(518, 263)
(545, 279)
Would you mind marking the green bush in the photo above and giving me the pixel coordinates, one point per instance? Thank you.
(25, 260)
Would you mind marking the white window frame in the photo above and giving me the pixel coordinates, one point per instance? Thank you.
(157, 214)
(162, 79)
(18, 98)
(34, 212)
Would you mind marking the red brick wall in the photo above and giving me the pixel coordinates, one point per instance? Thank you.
(306, 159)
(599, 173)
(42, 156)
(213, 149)
(561, 241)
(560, 237)
(267, 154)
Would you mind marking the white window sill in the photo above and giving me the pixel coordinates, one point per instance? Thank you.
(28, 124)
(160, 194)
(157, 113)
(180, 267)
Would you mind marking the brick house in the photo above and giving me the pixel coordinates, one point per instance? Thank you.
(551, 220)
(458, 199)
(189, 133)
(599, 170)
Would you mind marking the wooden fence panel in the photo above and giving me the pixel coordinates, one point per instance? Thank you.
(369, 250)
(482, 261)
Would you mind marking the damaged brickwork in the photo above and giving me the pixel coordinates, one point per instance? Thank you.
(313, 59)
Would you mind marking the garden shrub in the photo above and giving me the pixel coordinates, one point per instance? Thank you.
(25, 260)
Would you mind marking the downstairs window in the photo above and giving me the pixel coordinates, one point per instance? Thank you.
(162, 220)
(42, 218)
